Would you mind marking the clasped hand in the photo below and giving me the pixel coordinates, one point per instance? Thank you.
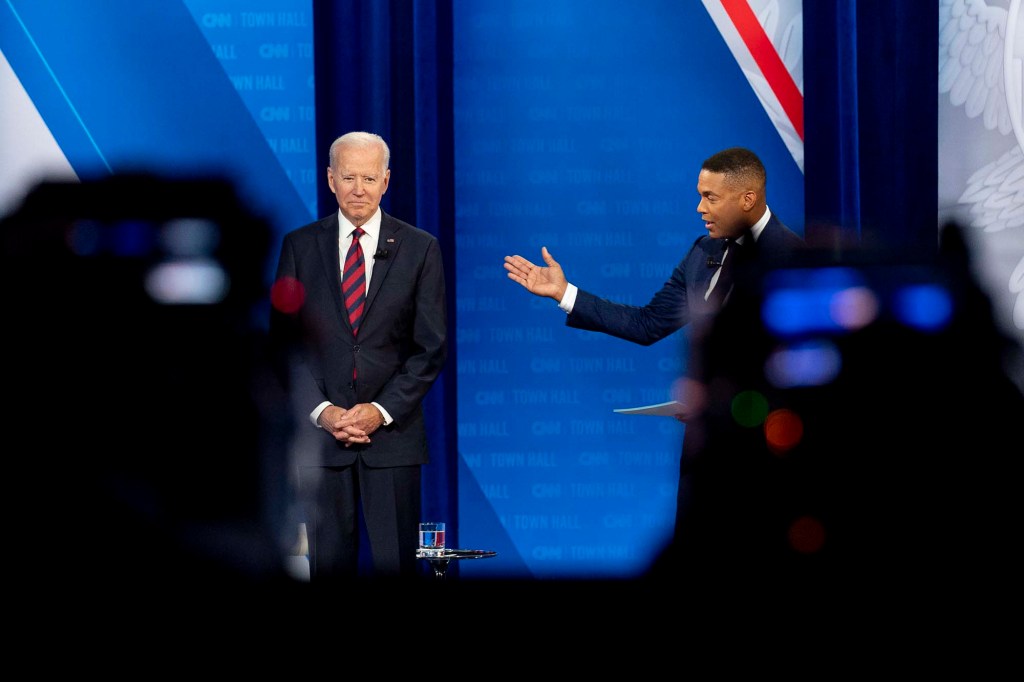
(353, 425)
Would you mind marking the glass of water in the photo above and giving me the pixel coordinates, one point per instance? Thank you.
(432, 538)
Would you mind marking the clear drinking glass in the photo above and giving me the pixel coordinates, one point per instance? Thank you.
(432, 538)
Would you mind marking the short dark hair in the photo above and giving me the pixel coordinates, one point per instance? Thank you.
(738, 163)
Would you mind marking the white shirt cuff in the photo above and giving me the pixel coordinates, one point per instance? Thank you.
(315, 414)
(384, 413)
(568, 298)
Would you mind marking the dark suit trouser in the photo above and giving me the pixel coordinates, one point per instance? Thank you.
(390, 499)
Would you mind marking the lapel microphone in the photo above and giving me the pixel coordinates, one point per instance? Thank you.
(712, 263)
(381, 254)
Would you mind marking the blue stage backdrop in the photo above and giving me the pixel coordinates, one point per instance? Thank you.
(266, 50)
(197, 87)
(582, 127)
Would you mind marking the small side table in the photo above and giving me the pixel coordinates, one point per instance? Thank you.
(439, 564)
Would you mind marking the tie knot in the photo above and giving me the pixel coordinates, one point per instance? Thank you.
(358, 232)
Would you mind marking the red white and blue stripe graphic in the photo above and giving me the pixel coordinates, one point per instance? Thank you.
(765, 37)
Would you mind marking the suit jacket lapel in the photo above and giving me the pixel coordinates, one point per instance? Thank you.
(327, 245)
(388, 240)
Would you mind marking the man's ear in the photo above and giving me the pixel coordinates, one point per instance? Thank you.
(749, 199)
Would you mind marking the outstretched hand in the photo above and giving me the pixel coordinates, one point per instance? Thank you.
(546, 280)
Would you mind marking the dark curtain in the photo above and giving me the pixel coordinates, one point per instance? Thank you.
(871, 145)
(386, 67)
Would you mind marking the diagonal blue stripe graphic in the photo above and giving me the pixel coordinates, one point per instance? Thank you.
(56, 82)
(135, 87)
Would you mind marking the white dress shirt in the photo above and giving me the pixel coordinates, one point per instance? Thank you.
(368, 242)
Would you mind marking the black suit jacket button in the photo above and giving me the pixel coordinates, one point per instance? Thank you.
(355, 349)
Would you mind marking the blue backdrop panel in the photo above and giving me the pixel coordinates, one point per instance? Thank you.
(581, 127)
(266, 49)
(126, 86)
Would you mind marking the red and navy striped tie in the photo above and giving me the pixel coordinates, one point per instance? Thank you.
(353, 285)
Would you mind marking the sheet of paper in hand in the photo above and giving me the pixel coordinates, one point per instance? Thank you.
(670, 409)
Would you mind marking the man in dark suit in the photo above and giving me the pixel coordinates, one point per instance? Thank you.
(743, 236)
(359, 318)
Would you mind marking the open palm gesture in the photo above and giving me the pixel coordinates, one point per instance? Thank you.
(546, 280)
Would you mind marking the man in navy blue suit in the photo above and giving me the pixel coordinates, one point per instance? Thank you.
(741, 228)
(359, 309)
(735, 211)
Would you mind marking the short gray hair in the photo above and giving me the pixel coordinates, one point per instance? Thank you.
(360, 139)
